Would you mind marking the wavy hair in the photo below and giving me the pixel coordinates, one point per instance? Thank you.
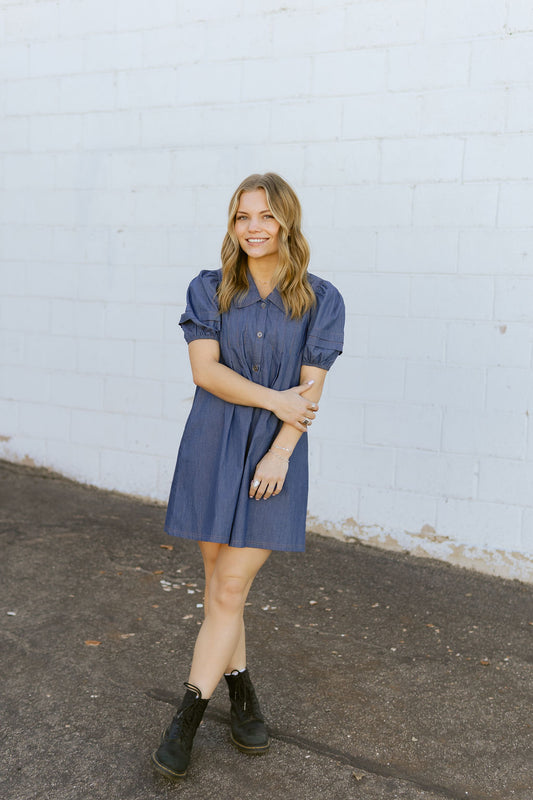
(291, 273)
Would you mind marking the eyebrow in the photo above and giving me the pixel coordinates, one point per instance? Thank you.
(264, 211)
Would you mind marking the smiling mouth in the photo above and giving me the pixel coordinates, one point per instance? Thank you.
(256, 241)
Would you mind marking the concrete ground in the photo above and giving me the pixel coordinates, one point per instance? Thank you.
(381, 676)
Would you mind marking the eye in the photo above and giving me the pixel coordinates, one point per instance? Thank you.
(268, 216)
(241, 217)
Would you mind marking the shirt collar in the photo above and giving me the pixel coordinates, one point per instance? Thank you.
(253, 296)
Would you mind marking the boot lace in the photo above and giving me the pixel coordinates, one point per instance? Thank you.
(185, 721)
(177, 726)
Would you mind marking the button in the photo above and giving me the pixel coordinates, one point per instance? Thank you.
(255, 367)
(259, 334)
(263, 305)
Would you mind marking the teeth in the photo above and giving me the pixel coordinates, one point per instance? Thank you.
(257, 240)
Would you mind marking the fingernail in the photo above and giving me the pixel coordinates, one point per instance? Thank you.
(310, 382)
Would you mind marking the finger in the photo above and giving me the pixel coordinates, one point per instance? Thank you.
(313, 407)
(258, 487)
(269, 491)
(279, 487)
(261, 490)
(254, 486)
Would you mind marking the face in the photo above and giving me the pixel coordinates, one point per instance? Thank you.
(255, 226)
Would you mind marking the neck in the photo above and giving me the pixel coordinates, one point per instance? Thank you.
(263, 270)
(263, 275)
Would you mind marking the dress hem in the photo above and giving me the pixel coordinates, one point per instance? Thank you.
(198, 538)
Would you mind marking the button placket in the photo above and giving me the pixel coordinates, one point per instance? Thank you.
(259, 338)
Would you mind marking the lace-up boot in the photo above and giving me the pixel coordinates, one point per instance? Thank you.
(173, 754)
(248, 729)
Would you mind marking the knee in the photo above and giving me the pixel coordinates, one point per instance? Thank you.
(227, 594)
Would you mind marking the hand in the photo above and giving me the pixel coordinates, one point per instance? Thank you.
(269, 477)
(291, 407)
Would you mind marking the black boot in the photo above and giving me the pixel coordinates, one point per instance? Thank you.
(173, 754)
(248, 729)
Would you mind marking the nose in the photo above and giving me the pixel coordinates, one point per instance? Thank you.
(254, 224)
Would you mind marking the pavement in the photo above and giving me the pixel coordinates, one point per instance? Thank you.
(380, 675)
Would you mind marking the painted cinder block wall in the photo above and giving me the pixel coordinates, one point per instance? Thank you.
(407, 128)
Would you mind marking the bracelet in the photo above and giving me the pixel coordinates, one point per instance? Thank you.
(285, 460)
(287, 449)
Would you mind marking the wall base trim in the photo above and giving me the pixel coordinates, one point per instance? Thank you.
(427, 543)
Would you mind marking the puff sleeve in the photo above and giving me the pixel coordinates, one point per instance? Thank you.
(201, 318)
(325, 334)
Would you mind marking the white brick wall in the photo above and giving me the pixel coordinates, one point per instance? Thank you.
(407, 128)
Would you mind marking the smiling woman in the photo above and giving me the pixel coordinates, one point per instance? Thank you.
(266, 207)
(256, 228)
(262, 333)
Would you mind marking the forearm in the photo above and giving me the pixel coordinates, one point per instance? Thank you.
(270, 473)
(288, 436)
(227, 384)
(218, 379)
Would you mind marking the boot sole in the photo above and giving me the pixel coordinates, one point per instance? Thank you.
(166, 771)
(258, 750)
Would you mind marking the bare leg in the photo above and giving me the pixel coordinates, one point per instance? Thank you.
(210, 551)
(221, 633)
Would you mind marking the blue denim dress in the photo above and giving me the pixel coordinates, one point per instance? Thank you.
(222, 442)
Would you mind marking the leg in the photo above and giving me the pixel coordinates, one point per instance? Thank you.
(233, 573)
(229, 575)
(248, 730)
(210, 551)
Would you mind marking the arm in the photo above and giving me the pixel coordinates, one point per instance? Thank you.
(289, 406)
(272, 469)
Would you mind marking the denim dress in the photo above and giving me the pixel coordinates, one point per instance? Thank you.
(223, 442)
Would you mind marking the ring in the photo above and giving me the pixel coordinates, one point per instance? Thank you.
(306, 421)
(255, 484)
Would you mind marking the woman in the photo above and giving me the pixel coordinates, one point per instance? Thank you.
(262, 333)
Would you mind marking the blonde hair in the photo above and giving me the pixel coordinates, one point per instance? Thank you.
(291, 273)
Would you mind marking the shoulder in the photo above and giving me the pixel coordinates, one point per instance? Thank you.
(202, 291)
(324, 290)
(325, 334)
(206, 282)
(207, 279)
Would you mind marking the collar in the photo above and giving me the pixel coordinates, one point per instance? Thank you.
(252, 296)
